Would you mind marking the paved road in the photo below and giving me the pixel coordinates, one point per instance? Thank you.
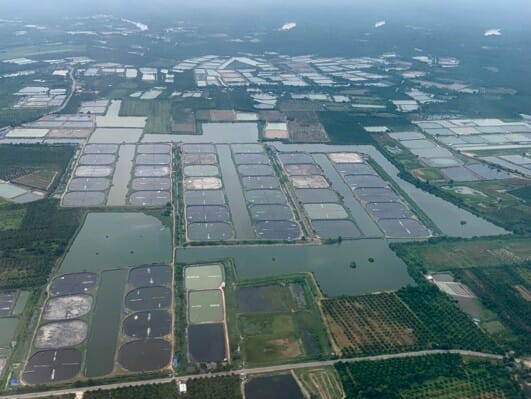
(72, 90)
(258, 370)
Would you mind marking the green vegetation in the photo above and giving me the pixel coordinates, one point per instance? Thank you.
(490, 199)
(428, 174)
(38, 50)
(414, 318)
(496, 269)
(449, 327)
(214, 388)
(506, 291)
(347, 127)
(199, 388)
(523, 193)
(168, 391)
(34, 165)
(321, 383)
(495, 202)
(135, 107)
(437, 376)
(282, 324)
(179, 328)
(11, 217)
(374, 324)
(158, 113)
(28, 253)
(344, 128)
(159, 119)
(447, 254)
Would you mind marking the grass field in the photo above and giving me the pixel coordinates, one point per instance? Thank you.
(436, 376)
(322, 383)
(269, 338)
(456, 254)
(412, 319)
(288, 327)
(266, 298)
(11, 217)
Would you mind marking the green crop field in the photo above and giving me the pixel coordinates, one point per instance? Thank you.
(445, 254)
(11, 217)
(322, 382)
(135, 107)
(436, 376)
(159, 118)
(158, 113)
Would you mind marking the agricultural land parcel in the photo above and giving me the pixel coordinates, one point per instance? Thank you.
(413, 318)
(497, 270)
(436, 376)
(279, 321)
(454, 254)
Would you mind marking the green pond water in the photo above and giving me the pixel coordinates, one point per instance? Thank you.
(8, 326)
(105, 324)
(110, 240)
(329, 263)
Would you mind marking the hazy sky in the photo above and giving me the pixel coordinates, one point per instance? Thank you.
(506, 11)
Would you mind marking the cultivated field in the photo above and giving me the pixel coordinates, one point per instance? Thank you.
(34, 166)
(484, 252)
(322, 383)
(506, 291)
(411, 319)
(279, 321)
(374, 324)
(436, 376)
